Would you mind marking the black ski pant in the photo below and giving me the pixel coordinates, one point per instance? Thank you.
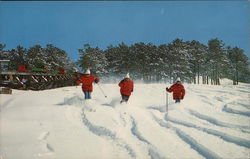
(124, 98)
(177, 100)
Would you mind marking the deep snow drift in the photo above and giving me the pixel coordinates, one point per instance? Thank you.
(211, 122)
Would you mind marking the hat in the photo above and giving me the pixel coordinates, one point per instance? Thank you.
(127, 76)
(87, 71)
(178, 79)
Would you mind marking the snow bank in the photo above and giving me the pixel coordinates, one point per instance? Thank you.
(211, 122)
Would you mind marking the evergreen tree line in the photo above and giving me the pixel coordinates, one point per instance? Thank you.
(185, 59)
(192, 61)
(50, 57)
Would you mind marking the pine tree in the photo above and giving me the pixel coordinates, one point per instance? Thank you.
(111, 55)
(178, 58)
(50, 57)
(94, 59)
(197, 59)
(144, 61)
(239, 70)
(148, 62)
(164, 61)
(124, 58)
(35, 57)
(218, 60)
(3, 53)
(17, 57)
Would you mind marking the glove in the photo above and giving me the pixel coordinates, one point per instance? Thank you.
(77, 82)
(182, 97)
(167, 89)
(96, 81)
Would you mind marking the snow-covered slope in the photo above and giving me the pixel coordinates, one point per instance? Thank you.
(211, 122)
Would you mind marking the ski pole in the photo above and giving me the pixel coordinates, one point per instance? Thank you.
(167, 102)
(102, 90)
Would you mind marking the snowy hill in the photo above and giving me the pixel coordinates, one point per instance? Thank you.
(211, 122)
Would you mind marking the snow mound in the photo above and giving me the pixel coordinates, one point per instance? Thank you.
(211, 122)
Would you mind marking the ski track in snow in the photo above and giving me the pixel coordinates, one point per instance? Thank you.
(130, 123)
(224, 136)
(5, 104)
(233, 111)
(226, 108)
(215, 121)
(244, 105)
(124, 123)
(105, 132)
(205, 152)
(49, 150)
(151, 150)
(161, 109)
(136, 133)
(191, 141)
(221, 97)
(44, 135)
(9, 102)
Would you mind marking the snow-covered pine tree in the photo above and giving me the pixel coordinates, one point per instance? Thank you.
(4, 54)
(152, 62)
(58, 58)
(121, 59)
(178, 58)
(17, 57)
(139, 60)
(36, 57)
(239, 65)
(111, 55)
(218, 60)
(197, 52)
(93, 58)
(50, 57)
(123, 52)
(164, 62)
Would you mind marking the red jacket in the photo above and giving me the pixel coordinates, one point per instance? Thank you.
(87, 81)
(178, 91)
(61, 71)
(22, 68)
(126, 86)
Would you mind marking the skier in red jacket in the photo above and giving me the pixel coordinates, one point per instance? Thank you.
(126, 87)
(87, 79)
(178, 91)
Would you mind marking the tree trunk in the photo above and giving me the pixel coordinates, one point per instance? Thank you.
(203, 79)
(234, 82)
(237, 76)
(218, 81)
(198, 78)
(198, 74)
